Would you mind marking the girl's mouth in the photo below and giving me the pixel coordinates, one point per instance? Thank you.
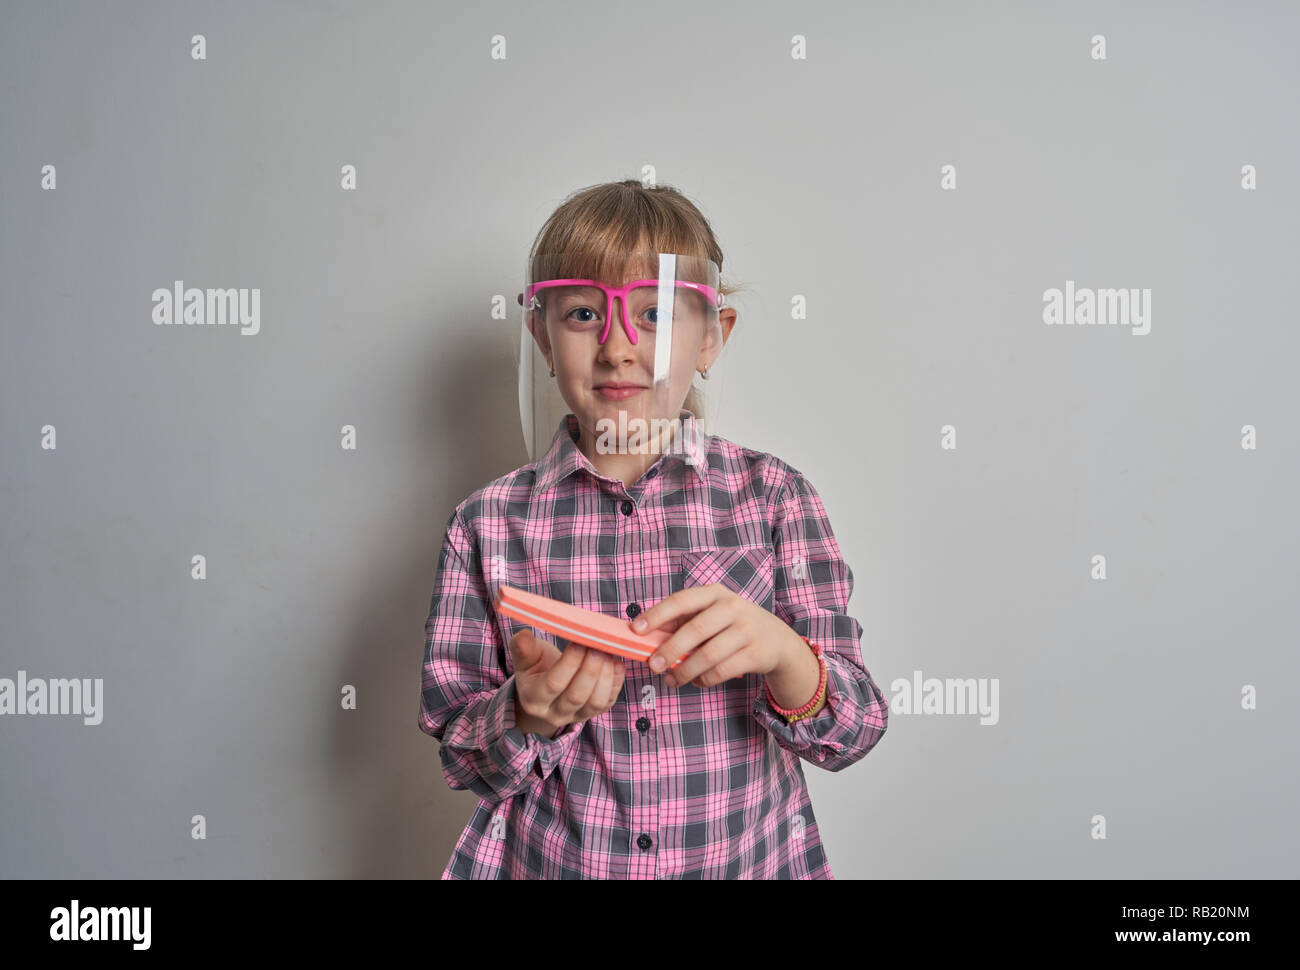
(619, 392)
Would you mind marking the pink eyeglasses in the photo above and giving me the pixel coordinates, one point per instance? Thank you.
(622, 292)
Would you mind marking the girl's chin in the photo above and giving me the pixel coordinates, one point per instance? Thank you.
(641, 405)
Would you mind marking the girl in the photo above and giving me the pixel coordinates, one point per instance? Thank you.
(689, 766)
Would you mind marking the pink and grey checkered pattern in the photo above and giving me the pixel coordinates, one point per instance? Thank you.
(670, 783)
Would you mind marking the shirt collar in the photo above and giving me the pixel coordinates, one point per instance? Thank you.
(563, 458)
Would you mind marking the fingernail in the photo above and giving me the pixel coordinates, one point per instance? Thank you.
(672, 681)
(657, 664)
(639, 624)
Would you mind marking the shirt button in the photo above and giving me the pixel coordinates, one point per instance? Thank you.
(628, 508)
(643, 841)
(643, 724)
(633, 610)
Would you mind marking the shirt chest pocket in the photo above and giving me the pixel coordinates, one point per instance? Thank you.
(745, 570)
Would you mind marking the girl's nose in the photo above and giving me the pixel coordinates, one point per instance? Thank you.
(619, 329)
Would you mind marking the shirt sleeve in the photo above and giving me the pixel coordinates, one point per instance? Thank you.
(813, 586)
(467, 696)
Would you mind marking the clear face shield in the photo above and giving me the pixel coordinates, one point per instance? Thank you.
(625, 334)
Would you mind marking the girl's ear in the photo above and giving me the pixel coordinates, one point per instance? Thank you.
(727, 318)
(712, 345)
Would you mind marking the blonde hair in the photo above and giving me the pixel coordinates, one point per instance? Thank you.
(600, 223)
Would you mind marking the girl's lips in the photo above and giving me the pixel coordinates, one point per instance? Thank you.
(618, 393)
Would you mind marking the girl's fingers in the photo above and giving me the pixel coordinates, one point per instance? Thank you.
(619, 670)
(680, 606)
(561, 673)
(594, 704)
(708, 656)
(584, 682)
(692, 635)
(607, 689)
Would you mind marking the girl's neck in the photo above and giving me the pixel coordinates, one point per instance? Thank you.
(627, 467)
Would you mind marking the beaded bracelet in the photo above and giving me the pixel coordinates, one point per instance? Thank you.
(799, 713)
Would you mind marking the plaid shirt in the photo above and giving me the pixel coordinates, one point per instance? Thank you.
(670, 783)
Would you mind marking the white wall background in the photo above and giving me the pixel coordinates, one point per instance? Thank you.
(822, 177)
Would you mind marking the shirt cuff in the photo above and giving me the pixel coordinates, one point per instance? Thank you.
(804, 737)
(546, 752)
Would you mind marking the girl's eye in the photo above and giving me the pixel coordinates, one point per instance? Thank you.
(583, 309)
(583, 316)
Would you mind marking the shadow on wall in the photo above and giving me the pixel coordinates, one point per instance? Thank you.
(395, 811)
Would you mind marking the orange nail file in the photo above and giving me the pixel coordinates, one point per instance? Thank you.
(586, 627)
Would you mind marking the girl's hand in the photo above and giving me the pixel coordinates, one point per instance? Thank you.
(564, 687)
(730, 636)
